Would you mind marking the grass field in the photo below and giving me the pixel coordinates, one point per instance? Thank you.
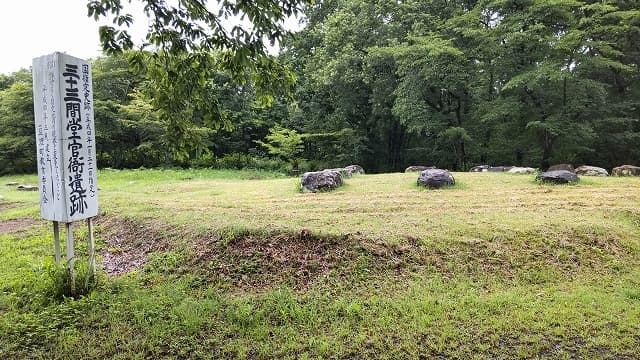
(227, 264)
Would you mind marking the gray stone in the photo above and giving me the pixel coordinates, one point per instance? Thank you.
(321, 180)
(586, 170)
(416, 168)
(435, 178)
(480, 168)
(348, 171)
(522, 170)
(486, 168)
(12, 183)
(27, 188)
(558, 177)
(354, 169)
(499, 168)
(567, 167)
(342, 171)
(626, 170)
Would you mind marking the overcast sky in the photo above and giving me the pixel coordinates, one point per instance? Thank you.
(32, 28)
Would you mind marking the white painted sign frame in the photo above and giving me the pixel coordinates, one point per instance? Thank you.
(65, 138)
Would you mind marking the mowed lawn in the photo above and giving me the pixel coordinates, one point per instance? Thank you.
(223, 264)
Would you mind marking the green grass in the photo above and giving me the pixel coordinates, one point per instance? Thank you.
(230, 264)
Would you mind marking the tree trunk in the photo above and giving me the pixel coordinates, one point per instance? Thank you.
(462, 155)
(546, 151)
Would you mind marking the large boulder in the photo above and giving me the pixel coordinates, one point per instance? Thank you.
(558, 177)
(522, 170)
(480, 168)
(435, 178)
(27, 188)
(628, 170)
(321, 180)
(416, 168)
(567, 167)
(586, 170)
(354, 169)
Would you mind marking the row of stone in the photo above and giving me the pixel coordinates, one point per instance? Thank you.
(481, 168)
(434, 178)
(437, 178)
(582, 170)
(586, 170)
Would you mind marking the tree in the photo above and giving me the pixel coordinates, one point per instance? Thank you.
(17, 132)
(339, 91)
(433, 96)
(284, 143)
(460, 82)
(187, 44)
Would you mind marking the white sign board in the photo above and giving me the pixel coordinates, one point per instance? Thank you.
(65, 138)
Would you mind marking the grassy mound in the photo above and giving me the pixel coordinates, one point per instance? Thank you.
(209, 264)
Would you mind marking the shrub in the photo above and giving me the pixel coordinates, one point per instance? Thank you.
(238, 161)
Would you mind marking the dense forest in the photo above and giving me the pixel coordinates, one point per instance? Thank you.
(381, 83)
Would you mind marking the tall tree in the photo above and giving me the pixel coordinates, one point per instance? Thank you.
(189, 43)
(17, 133)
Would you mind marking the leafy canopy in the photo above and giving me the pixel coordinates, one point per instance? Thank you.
(187, 43)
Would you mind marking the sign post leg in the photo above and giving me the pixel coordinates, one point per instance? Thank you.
(56, 240)
(71, 257)
(92, 248)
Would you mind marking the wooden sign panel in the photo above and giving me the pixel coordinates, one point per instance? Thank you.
(65, 138)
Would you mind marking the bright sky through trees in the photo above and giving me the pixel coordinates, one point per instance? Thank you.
(31, 28)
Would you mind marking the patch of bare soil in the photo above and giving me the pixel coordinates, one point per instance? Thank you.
(127, 244)
(16, 225)
(7, 205)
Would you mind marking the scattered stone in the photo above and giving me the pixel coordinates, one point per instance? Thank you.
(566, 167)
(486, 168)
(628, 170)
(522, 170)
(558, 177)
(480, 168)
(435, 178)
(354, 169)
(321, 180)
(416, 168)
(13, 183)
(348, 171)
(500, 168)
(27, 188)
(586, 170)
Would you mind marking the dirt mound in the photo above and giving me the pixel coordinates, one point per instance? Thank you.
(254, 262)
(301, 260)
(244, 262)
